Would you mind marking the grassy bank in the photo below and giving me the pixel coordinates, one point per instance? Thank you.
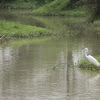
(60, 7)
(85, 64)
(53, 8)
(19, 30)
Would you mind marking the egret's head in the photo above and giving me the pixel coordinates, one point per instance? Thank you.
(86, 49)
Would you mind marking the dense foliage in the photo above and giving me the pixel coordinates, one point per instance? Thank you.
(94, 8)
(93, 5)
(38, 1)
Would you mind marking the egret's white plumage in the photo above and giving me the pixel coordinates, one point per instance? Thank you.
(91, 59)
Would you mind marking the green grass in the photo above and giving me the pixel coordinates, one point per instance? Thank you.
(52, 8)
(85, 64)
(74, 12)
(19, 30)
(56, 7)
(59, 7)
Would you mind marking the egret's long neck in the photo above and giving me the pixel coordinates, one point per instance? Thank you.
(86, 54)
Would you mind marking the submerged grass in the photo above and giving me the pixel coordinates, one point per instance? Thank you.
(85, 64)
(24, 31)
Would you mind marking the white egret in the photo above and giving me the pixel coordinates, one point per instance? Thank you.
(91, 59)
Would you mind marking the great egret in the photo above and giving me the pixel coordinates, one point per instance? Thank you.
(91, 59)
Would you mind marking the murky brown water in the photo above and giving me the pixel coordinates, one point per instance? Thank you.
(48, 70)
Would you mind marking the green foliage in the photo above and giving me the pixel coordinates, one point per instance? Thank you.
(52, 8)
(61, 7)
(5, 1)
(85, 64)
(56, 7)
(48, 1)
(94, 9)
(20, 30)
(48, 7)
(20, 5)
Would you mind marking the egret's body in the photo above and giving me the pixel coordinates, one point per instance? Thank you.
(91, 59)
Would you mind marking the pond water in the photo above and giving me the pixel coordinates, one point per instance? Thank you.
(47, 69)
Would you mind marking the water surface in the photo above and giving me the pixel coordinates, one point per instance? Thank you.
(47, 70)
